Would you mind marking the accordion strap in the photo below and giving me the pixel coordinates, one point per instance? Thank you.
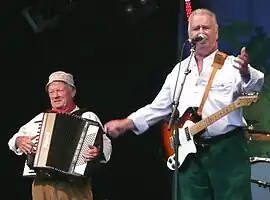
(80, 111)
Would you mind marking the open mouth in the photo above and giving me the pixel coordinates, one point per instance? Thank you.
(202, 42)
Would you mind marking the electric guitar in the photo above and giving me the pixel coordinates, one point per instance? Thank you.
(190, 124)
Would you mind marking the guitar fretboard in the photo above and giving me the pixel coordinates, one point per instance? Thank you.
(196, 128)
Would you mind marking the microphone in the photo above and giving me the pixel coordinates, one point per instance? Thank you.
(196, 39)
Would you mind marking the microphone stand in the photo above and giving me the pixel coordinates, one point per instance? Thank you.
(174, 120)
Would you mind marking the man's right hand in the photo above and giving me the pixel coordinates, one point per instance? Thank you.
(26, 143)
(116, 127)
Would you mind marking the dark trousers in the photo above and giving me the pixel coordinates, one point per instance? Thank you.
(219, 171)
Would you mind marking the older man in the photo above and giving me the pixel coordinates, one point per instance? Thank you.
(220, 171)
(61, 90)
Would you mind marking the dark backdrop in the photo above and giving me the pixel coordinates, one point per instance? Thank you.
(119, 65)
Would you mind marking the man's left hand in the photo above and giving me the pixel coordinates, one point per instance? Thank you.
(241, 62)
(91, 153)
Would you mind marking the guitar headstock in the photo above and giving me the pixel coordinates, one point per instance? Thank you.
(247, 98)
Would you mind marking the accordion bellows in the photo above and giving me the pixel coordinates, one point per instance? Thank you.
(63, 138)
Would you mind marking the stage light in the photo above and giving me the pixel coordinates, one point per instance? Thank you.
(136, 10)
(188, 8)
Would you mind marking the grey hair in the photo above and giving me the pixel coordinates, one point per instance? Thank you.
(202, 11)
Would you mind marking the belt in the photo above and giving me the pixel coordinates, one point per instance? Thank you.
(207, 141)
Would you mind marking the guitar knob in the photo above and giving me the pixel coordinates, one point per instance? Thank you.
(171, 163)
(173, 166)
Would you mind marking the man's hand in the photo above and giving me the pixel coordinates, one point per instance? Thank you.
(91, 153)
(26, 144)
(241, 62)
(116, 127)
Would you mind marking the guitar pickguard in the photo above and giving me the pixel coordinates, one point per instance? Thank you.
(168, 135)
(186, 146)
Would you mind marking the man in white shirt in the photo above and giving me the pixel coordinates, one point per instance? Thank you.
(222, 170)
(61, 90)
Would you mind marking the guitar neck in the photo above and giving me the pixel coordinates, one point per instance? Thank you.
(201, 125)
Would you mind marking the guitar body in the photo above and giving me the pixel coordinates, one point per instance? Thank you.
(167, 135)
(187, 145)
(190, 124)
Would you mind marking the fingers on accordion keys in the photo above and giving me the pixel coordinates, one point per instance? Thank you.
(35, 143)
(34, 149)
(35, 139)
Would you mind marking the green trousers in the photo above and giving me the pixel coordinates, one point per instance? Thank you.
(220, 171)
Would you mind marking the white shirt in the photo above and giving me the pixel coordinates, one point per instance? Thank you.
(31, 129)
(225, 89)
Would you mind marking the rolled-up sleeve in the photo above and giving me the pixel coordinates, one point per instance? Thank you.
(29, 129)
(255, 82)
(12, 141)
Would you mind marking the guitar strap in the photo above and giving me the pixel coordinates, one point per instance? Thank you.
(218, 62)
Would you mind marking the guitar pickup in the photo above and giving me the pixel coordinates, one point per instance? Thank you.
(187, 134)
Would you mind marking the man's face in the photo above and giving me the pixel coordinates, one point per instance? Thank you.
(204, 24)
(60, 94)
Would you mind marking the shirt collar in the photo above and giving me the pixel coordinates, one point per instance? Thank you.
(210, 57)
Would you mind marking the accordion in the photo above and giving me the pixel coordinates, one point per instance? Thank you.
(63, 138)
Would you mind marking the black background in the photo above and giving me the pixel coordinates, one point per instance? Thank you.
(119, 65)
